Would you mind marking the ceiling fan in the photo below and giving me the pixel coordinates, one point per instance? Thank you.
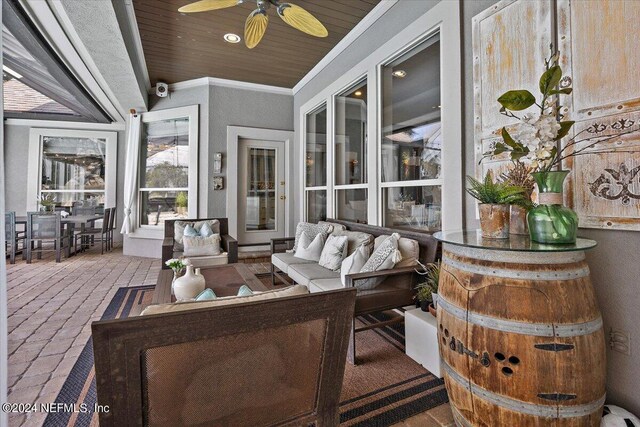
(256, 24)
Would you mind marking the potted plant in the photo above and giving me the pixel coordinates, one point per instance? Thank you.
(181, 203)
(495, 199)
(519, 175)
(177, 265)
(427, 291)
(47, 203)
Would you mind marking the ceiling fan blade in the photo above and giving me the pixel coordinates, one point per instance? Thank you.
(255, 27)
(205, 5)
(302, 20)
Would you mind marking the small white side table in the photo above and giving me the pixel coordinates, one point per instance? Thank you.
(421, 336)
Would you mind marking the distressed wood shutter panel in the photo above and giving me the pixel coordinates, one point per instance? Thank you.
(598, 43)
(510, 41)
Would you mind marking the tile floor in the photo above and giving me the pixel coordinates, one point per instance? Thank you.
(51, 307)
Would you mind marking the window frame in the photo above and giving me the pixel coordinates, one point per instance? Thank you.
(191, 113)
(34, 167)
(443, 18)
(306, 189)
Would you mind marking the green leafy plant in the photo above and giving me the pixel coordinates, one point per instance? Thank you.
(46, 200)
(176, 264)
(181, 200)
(426, 289)
(495, 193)
(537, 137)
(519, 175)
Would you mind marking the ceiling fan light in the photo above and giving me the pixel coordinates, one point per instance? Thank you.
(205, 5)
(255, 27)
(302, 20)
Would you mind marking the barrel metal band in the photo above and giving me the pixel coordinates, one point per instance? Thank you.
(516, 257)
(524, 328)
(460, 420)
(548, 411)
(516, 274)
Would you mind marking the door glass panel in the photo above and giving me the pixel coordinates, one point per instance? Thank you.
(352, 205)
(411, 128)
(413, 207)
(261, 190)
(316, 205)
(316, 140)
(351, 135)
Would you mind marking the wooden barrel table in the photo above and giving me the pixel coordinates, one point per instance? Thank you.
(520, 333)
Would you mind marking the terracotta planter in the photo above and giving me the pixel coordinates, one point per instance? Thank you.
(432, 310)
(494, 221)
(518, 220)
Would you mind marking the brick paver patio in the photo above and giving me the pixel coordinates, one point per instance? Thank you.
(51, 307)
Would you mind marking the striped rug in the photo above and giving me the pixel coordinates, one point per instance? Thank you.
(384, 388)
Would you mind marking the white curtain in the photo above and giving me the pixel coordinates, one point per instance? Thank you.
(131, 173)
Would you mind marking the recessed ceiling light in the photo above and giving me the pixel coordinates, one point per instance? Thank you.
(232, 38)
(11, 72)
(358, 93)
(399, 73)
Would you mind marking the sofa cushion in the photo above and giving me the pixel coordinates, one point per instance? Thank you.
(179, 226)
(218, 302)
(310, 230)
(304, 273)
(206, 261)
(356, 239)
(409, 249)
(310, 249)
(284, 260)
(334, 251)
(201, 246)
(354, 262)
(322, 285)
(384, 257)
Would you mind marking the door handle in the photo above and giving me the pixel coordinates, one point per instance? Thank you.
(283, 197)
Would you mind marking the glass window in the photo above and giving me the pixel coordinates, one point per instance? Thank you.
(316, 205)
(411, 126)
(351, 205)
(164, 171)
(351, 135)
(316, 147)
(73, 170)
(413, 207)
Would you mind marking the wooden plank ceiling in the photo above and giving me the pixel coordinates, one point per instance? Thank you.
(179, 47)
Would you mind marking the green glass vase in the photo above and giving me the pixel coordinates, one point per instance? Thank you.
(550, 221)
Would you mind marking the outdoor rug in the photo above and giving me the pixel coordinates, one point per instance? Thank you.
(384, 388)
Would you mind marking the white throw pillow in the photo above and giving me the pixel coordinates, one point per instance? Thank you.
(334, 251)
(201, 246)
(383, 258)
(354, 262)
(310, 249)
(311, 231)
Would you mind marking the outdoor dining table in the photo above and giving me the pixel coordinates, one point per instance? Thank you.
(70, 221)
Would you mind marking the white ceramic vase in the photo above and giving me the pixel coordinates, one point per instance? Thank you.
(188, 286)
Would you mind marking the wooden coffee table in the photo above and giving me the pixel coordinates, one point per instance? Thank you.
(224, 280)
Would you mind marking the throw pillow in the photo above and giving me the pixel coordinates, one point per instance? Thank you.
(206, 295)
(310, 248)
(354, 262)
(244, 291)
(213, 223)
(409, 249)
(334, 251)
(383, 258)
(178, 234)
(205, 230)
(202, 246)
(189, 231)
(356, 239)
(310, 230)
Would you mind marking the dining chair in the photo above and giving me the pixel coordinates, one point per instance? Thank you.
(101, 233)
(112, 227)
(12, 237)
(83, 210)
(46, 227)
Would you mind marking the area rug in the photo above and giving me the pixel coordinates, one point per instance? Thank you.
(385, 387)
